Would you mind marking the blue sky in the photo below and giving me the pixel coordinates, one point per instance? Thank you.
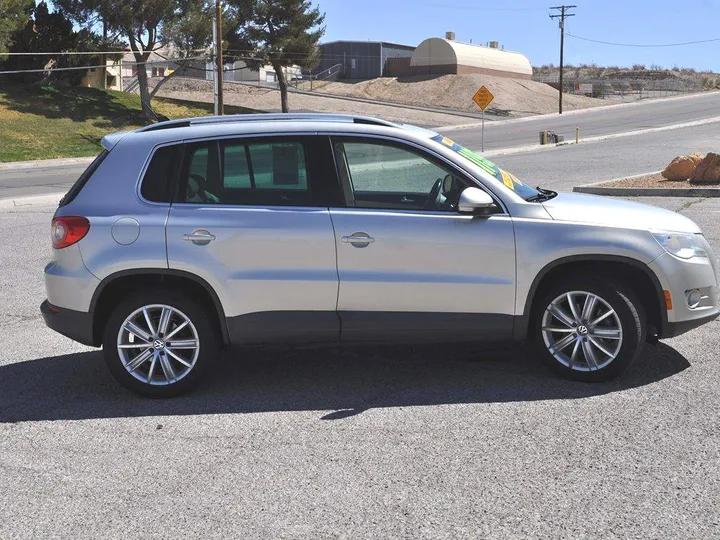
(524, 25)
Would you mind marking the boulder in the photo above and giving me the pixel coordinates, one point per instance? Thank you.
(682, 167)
(708, 171)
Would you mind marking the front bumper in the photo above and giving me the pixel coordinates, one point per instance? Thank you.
(674, 329)
(77, 325)
(678, 277)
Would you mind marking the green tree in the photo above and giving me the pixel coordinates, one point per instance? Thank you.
(281, 33)
(14, 14)
(140, 22)
(48, 32)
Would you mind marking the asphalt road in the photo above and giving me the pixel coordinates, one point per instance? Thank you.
(38, 181)
(592, 122)
(562, 168)
(441, 442)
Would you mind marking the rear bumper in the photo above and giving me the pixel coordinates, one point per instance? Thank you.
(674, 329)
(77, 325)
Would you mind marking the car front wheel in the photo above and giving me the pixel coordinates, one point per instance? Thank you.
(589, 330)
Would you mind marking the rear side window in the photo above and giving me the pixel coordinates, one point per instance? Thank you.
(84, 177)
(157, 182)
(272, 173)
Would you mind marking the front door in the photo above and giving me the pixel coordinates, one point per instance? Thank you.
(251, 221)
(410, 265)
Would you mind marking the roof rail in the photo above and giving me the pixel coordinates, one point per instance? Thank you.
(266, 117)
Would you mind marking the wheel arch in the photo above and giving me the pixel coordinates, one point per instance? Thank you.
(121, 283)
(647, 286)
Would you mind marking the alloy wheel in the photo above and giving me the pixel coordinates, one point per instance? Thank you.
(158, 345)
(582, 331)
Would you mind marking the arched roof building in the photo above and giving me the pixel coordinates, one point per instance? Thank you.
(437, 56)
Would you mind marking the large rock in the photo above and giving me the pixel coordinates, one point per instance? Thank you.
(682, 167)
(708, 171)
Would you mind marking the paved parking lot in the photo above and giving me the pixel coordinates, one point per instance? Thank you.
(440, 442)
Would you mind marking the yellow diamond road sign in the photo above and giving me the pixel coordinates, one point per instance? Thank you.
(483, 98)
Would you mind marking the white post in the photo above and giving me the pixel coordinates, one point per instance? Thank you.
(482, 138)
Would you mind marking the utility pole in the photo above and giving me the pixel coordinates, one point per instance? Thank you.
(103, 58)
(562, 16)
(219, 54)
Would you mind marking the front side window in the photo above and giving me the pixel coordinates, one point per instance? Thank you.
(272, 173)
(386, 175)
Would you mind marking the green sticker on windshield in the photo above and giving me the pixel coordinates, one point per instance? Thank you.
(488, 166)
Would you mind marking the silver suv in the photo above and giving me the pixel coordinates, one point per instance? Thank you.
(185, 237)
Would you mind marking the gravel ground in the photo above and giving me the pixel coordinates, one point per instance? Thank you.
(655, 180)
(266, 99)
(425, 442)
(513, 97)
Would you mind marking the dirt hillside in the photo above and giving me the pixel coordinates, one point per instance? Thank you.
(513, 97)
(269, 100)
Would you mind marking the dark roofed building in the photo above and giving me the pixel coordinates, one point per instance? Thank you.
(363, 59)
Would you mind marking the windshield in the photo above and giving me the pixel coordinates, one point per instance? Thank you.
(509, 180)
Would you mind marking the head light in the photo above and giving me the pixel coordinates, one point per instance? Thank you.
(683, 245)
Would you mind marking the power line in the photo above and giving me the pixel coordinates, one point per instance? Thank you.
(80, 53)
(133, 64)
(562, 16)
(477, 8)
(644, 45)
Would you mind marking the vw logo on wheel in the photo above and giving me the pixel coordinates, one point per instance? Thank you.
(582, 330)
(158, 344)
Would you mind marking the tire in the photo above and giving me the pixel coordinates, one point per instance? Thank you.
(188, 325)
(581, 350)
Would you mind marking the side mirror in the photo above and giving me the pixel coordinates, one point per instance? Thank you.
(475, 201)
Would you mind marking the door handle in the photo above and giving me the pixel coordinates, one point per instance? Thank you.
(200, 237)
(358, 239)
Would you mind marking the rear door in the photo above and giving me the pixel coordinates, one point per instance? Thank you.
(251, 218)
(410, 265)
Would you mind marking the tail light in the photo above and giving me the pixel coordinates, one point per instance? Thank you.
(68, 230)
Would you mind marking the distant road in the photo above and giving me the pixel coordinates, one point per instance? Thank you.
(592, 122)
(38, 181)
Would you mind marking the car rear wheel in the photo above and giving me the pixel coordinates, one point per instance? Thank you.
(159, 344)
(588, 329)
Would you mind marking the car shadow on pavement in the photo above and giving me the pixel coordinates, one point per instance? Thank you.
(336, 382)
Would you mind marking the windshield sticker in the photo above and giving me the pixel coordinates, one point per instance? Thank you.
(488, 166)
(448, 142)
(512, 177)
(507, 180)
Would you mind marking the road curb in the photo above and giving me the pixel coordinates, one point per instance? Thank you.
(30, 201)
(20, 165)
(598, 189)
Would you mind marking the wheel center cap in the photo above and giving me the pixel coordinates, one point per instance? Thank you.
(158, 344)
(582, 330)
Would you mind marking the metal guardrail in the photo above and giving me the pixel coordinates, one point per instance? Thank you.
(325, 74)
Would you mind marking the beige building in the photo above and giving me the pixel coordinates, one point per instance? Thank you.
(113, 76)
(156, 66)
(437, 56)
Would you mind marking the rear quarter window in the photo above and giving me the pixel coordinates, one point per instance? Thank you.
(84, 177)
(158, 180)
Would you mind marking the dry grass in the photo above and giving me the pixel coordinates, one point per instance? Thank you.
(42, 122)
